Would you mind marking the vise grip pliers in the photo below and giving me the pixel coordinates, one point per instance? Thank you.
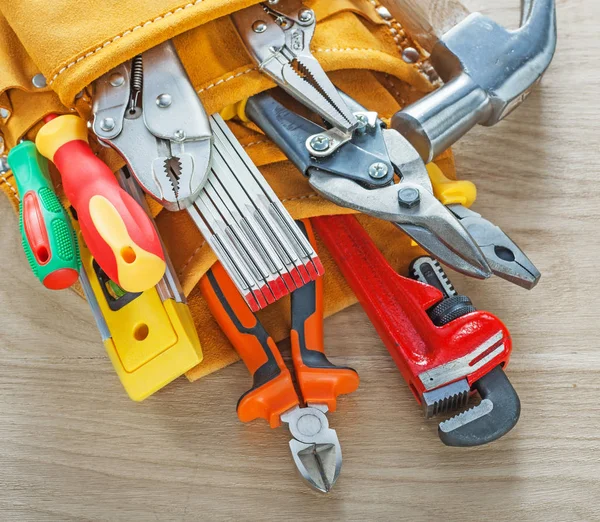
(148, 111)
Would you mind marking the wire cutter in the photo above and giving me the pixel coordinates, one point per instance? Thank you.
(314, 445)
(277, 34)
(357, 171)
(148, 111)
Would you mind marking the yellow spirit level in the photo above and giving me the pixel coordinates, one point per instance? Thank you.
(150, 336)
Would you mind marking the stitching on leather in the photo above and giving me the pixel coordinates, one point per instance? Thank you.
(398, 34)
(15, 193)
(308, 196)
(402, 39)
(182, 269)
(347, 49)
(395, 90)
(229, 78)
(122, 35)
(251, 144)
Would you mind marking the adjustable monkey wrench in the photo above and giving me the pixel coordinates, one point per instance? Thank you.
(444, 348)
(488, 71)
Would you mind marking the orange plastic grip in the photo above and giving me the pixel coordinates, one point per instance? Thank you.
(319, 380)
(273, 390)
(118, 232)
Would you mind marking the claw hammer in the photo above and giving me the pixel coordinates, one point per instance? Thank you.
(487, 70)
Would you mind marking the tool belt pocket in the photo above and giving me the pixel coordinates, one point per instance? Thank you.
(65, 47)
(53, 55)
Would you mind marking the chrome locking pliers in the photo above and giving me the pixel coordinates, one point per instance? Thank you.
(148, 111)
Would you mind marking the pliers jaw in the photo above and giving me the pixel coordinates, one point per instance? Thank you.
(505, 258)
(149, 112)
(278, 37)
(315, 447)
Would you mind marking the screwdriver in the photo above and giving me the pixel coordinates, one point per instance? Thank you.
(48, 238)
(119, 234)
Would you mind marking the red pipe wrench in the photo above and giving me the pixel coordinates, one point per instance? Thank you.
(444, 348)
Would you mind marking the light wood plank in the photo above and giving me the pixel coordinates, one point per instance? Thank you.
(73, 447)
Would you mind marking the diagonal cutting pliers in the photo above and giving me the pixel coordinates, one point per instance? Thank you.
(314, 445)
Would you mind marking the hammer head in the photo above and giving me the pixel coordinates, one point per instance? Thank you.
(488, 71)
(505, 64)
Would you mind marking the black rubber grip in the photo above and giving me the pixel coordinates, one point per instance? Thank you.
(270, 369)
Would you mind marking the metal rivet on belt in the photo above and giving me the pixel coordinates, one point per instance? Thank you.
(259, 26)
(39, 81)
(410, 55)
(384, 13)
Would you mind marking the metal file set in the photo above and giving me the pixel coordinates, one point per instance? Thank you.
(148, 111)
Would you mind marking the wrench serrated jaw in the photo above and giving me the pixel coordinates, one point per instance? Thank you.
(496, 414)
(446, 399)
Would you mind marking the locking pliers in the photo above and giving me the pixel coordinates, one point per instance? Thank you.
(148, 111)
(277, 35)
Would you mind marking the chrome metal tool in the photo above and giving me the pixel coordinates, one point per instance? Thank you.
(503, 255)
(259, 244)
(360, 175)
(277, 35)
(488, 71)
(148, 111)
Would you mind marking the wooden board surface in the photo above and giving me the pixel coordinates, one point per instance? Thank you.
(73, 447)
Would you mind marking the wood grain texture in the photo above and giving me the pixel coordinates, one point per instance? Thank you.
(73, 447)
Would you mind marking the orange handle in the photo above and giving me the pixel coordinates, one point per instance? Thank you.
(273, 391)
(319, 380)
(117, 230)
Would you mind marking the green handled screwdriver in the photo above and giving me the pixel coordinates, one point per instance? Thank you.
(49, 240)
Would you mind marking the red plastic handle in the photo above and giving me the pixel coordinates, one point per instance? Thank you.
(117, 230)
(397, 307)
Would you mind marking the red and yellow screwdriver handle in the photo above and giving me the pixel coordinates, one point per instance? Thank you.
(118, 232)
(273, 390)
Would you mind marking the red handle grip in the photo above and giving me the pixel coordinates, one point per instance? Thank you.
(117, 230)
